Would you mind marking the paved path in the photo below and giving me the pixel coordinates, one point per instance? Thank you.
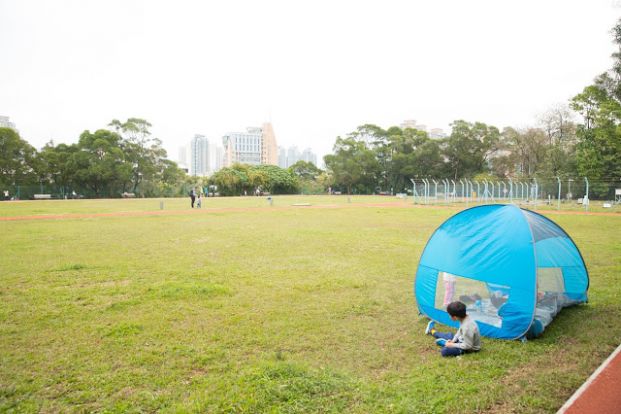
(601, 393)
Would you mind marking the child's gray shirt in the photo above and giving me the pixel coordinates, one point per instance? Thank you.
(467, 336)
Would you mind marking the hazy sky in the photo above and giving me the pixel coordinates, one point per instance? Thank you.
(316, 69)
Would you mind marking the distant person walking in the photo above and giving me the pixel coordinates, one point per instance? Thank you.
(192, 196)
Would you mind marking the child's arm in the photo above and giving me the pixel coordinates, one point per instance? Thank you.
(467, 339)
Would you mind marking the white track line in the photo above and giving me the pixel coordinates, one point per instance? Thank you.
(588, 382)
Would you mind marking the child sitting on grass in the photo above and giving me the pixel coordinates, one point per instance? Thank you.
(466, 339)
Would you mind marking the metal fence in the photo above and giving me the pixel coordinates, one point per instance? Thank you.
(559, 193)
(48, 191)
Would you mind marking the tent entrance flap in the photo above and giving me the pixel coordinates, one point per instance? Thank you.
(482, 299)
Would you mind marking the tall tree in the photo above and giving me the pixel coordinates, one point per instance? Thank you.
(468, 148)
(599, 147)
(143, 152)
(353, 164)
(99, 164)
(17, 159)
(412, 154)
(305, 170)
(55, 163)
(238, 178)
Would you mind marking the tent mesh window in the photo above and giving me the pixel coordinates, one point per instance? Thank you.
(550, 294)
(482, 299)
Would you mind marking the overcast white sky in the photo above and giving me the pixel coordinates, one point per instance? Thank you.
(317, 68)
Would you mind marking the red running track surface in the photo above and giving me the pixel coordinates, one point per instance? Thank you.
(601, 393)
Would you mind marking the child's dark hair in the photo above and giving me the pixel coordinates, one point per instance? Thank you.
(457, 309)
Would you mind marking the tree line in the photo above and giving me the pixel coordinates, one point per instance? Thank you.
(106, 163)
(126, 160)
(372, 159)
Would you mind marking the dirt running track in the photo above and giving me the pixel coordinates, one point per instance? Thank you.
(397, 204)
(601, 393)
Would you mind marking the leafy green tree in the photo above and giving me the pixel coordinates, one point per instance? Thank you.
(599, 144)
(142, 152)
(468, 148)
(238, 178)
(413, 154)
(599, 136)
(17, 159)
(279, 180)
(353, 165)
(229, 181)
(560, 130)
(524, 152)
(55, 164)
(99, 164)
(305, 170)
(308, 176)
(168, 181)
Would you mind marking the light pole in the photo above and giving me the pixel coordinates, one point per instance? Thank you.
(559, 193)
(585, 200)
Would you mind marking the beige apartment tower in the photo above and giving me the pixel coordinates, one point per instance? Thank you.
(269, 149)
(255, 146)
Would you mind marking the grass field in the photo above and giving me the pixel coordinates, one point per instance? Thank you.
(243, 307)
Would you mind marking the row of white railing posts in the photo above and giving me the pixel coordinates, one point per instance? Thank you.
(426, 191)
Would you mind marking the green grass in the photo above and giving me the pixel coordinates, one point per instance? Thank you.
(287, 309)
(54, 207)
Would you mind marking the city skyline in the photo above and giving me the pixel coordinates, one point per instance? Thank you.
(313, 85)
(204, 155)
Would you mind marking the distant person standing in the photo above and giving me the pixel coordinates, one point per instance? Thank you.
(449, 287)
(198, 201)
(192, 196)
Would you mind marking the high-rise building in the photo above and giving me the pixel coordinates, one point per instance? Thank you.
(289, 156)
(5, 123)
(199, 155)
(242, 147)
(255, 146)
(282, 157)
(437, 133)
(183, 155)
(408, 123)
(269, 149)
(219, 158)
(293, 156)
(411, 123)
(309, 156)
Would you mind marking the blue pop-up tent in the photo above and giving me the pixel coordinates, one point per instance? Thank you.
(513, 268)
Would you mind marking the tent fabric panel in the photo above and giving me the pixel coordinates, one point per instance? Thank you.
(576, 283)
(542, 227)
(558, 252)
(474, 244)
(554, 248)
(425, 286)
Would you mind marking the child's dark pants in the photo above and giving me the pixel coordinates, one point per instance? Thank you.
(446, 351)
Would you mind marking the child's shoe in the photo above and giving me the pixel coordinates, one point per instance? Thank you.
(441, 342)
(430, 326)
